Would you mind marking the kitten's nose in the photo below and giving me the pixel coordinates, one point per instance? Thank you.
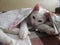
(39, 20)
(53, 33)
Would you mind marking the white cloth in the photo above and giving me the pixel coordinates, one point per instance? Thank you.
(19, 41)
(12, 18)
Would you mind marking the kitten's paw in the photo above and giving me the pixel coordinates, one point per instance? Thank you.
(29, 33)
(23, 36)
(9, 43)
(12, 42)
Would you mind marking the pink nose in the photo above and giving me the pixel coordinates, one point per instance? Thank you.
(52, 33)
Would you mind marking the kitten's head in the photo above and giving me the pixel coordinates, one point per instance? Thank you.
(37, 16)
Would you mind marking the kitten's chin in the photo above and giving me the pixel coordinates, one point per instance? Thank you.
(35, 25)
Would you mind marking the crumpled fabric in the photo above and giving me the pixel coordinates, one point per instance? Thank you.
(56, 21)
(11, 18)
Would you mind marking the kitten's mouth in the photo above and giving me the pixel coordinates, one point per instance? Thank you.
(35, 25)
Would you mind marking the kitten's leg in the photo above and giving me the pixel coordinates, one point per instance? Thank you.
(13, 31)
(6, 39)
(47, 29)
(23, 30)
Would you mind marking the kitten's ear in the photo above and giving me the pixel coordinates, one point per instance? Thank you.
(47, 14)
(36, 7)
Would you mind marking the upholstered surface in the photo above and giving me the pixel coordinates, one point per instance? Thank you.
(38, 39)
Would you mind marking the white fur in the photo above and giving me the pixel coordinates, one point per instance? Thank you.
(38, 16)
(46, 28)
(40, 25)
(13, 31)
(6, 39)
(23, 33)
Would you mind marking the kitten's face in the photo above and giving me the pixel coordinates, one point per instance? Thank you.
(37, 18)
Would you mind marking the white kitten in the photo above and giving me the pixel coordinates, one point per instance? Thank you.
(38, 20)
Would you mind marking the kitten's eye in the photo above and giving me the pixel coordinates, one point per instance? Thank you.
(39, 20)
(33, 17)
